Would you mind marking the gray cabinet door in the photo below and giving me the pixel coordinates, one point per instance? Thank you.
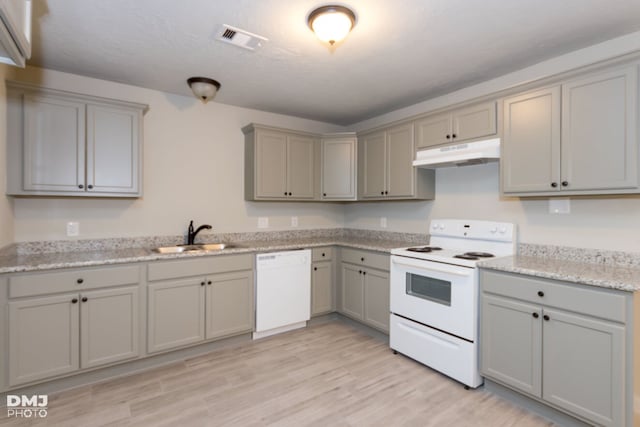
(599, 131)
(339, 169)
(433, 130)
(110, 326)
(322, 288)
(374, 165)
(352, 291)
(113, 149)
(474, 122)
(44, 338)
(54, 144)
(300, 167)
(400, 170)
(511, 343)
(583, 366)
(175, 313)
(376, 299)
(229, 304)
(270, 165)
(531, 142)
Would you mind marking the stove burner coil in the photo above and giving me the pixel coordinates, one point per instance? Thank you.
(425, 249)
(480, 254)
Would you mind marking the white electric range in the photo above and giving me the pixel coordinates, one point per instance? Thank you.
(434, 295)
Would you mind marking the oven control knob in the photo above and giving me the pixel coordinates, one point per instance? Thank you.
(503, 230)
(494, 230)
(441, 226)
(434, 226)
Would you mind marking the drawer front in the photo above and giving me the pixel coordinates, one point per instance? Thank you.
(365, 258)
(199, 266)
(603, 303)
(75, 280)
(322, 254)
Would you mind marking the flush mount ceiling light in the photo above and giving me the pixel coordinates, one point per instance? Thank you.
(203, 88)
(331, 23)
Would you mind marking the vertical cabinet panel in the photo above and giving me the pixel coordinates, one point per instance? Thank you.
(400, 175)
(271, 165)
(339, 168)
(110, 326)
(352, 291)
(374, 167)
(113, 149)
(54, 144)
(599, 131)
(376, 294)
(43, 338)
(531, 142)
(176, 312)
(229, 304)
(583, 372)
(300, 167)
(322, 288)
(511, 343)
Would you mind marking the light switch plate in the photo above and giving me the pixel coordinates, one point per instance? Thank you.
(294, 221)
(73, 229)
(263, 222)
(560, 205)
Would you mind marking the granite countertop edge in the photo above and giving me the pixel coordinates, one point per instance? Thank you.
(596, 275)
(53, 261)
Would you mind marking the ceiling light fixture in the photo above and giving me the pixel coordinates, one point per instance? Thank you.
(204, 88)
(331, 23)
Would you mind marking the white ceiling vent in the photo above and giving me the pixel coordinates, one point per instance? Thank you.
(240, 38)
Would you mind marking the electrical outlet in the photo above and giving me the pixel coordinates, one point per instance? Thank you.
(383, 222)
(73, 228)
(263, 222)
(559, 206)
(294, 221)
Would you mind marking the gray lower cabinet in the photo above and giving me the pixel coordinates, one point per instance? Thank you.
(385, 166)
(364, 287)
(280, 164)
(59, 334)
(577, 137)
(322, 287)
(64, 144)
(561, 344)
(191, 301)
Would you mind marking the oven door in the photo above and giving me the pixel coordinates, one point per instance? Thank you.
(442, 296)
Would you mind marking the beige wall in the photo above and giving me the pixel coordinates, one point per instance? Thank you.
(193, 169)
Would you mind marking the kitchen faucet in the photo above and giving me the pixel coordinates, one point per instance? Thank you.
(191, 236)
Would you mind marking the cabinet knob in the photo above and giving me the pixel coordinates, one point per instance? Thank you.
(554, 184)
(81, 186)
(315, 268)
(84, 299)
(536, 315)
(565, 183)
(448, 136)
(362, 259)
(453, 136)
(324, 194)
(386, 192)
(285, 193)
(209, 282)
(540, 294)
(89, 186)
(202, 283)
(290, 193)
(545, 317)
(359, 271)
(74, 301)
(382, 192)
(364, 272)
(80, 281)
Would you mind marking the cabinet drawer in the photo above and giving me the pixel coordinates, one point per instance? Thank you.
(321, 254)
(366, 258)
(199, 266)
(603, 303)
(72, 280)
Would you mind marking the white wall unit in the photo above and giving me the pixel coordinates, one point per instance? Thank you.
(64, 144)
(15, 32)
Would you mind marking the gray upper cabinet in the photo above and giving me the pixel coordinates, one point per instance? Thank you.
(385, 166)
(64, 144)
(459, 125)
(339, 167)
(280, 164)
(579, 137)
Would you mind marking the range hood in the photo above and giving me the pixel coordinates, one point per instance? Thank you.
(470, 153)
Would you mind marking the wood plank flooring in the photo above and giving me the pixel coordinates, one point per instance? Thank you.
(325, 375)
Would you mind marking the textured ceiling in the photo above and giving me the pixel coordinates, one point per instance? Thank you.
(400, 52)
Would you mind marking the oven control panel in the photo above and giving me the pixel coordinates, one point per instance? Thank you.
(473, 229)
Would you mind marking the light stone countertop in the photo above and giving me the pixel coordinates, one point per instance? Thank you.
(603, 275)
(13, 263)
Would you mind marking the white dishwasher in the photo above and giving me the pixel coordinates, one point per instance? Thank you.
(283, 292)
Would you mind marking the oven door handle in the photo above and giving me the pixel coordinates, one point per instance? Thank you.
(432, 267)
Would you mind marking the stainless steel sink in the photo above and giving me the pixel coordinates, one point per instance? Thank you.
(205, 247)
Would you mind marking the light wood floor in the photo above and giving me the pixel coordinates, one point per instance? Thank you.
(325, 375)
